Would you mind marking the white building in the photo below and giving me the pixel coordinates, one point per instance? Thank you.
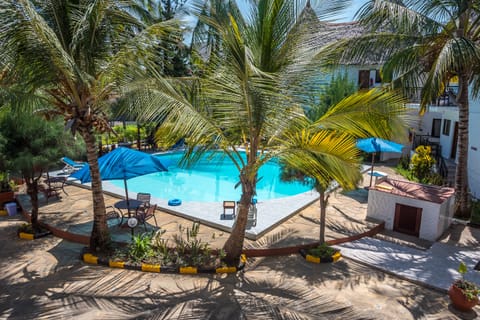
(424, 211)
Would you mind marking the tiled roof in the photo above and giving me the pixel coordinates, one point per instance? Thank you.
(414, 190)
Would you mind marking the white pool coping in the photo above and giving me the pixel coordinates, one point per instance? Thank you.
(270, 213)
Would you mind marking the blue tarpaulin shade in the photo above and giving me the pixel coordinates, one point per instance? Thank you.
(374, 145)
(122, 163)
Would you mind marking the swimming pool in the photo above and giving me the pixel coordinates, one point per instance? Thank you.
(212, 179)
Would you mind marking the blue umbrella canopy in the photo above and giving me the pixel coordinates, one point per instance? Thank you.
(122, 163)
(378, 145)
(374, 145)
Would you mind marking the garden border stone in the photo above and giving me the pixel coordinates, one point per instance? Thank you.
(32, 236)
(145, 267)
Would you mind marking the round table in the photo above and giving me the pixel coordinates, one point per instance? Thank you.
(132, 204)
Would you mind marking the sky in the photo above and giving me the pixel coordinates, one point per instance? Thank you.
(352, 9)
(346, 16)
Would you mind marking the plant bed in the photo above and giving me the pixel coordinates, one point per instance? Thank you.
(28, 233)
(151, 253)
(150, 267)
(321, 254)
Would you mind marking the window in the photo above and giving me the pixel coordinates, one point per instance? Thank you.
(446, 127)
(437, 123)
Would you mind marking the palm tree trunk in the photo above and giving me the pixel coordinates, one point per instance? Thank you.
(461, 178)
(234, 244)
(100, 237)
(32, 190)
(323, 214)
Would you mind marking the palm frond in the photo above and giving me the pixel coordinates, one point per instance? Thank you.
(376, 113)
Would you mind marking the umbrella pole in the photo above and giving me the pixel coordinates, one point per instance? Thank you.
(126, 194)
(371, 169)
(128, 202)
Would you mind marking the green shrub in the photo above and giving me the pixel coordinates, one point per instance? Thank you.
(475, 209)
(187, 249)
(404, 163)
(422, 163)
(321, 251)
(141, 248)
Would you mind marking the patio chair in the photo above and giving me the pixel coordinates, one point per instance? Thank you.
(57, 183)
(71, 166)
(112, 213)
(48, 192)
(145, 198)
(145, 213)
(252, 215)
(228, 205)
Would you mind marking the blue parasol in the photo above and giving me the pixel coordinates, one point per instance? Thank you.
(122, 163)
(374, 145)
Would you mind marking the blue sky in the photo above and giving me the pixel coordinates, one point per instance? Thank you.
(352, 9)
(347, 15)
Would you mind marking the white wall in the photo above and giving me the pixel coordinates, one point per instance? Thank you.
(447, 210)
(446, 141)
(381, 205)
(474, 148)
(426, 124)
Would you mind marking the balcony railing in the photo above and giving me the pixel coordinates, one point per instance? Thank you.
(448, 98)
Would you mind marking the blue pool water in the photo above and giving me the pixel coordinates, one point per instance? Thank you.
(212, 179)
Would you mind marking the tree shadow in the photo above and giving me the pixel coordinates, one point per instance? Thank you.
(360, 195)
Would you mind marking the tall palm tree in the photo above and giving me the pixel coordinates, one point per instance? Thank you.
(245, 101)
(424, 43)
(74, 57)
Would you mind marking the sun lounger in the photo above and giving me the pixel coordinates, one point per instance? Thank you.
(71, 166)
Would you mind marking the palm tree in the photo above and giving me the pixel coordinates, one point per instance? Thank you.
(424, 43)
(74, 57)
(245, 100)
(324, 153)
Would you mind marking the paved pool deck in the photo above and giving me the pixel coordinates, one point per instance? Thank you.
(270, 213)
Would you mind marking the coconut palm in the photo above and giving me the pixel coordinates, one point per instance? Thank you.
(245, 101)
(74, 57)
(425, 44)
(324, 153)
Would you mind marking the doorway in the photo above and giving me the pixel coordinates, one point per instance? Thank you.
(453, 154)
(407, 219)
(364, 79)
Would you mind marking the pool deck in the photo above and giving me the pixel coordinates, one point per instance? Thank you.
(270, 213)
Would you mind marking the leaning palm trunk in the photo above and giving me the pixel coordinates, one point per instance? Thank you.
(461, 180)
(99, 238)
(234, 244)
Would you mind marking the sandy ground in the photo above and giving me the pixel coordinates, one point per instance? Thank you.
(45, 279)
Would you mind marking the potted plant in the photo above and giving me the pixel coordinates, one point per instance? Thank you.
(463, 293)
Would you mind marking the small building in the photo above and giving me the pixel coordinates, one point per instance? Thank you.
(420, 210)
